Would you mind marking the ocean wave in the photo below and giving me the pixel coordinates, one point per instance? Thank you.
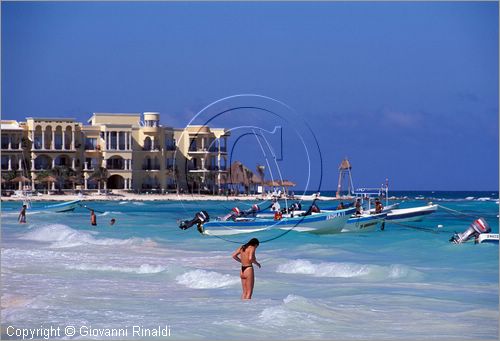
(297, 312)
(143, 269)
(347, 270)
(202, 279)
(62, 236)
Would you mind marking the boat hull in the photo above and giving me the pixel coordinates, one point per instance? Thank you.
(57, 208)
(364, 223)
(410, 214)
(319, 223)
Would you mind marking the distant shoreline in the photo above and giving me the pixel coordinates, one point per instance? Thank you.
(207, 197)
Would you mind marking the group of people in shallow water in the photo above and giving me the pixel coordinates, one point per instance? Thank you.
(93, 218)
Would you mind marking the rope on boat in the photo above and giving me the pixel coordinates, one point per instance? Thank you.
(91, 209)
(458, 213)
(425, 229)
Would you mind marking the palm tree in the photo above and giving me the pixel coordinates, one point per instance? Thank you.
(173, 173)
(194, 178)
(100, 175)
(212, 177)
(7, 176)
(62, 174)
(260, 170)
(44, 175)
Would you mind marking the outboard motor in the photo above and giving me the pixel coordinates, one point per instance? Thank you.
(199, 219)
(296, 206)
(251, 212)
(477, 227)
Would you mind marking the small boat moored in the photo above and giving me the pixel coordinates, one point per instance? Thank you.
(324, 222)
(411, 214)
(61, 207)
(365, 222)
(487, 238)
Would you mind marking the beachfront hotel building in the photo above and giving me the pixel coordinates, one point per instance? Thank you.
(138, 153)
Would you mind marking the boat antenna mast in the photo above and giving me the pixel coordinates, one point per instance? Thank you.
(345, 171)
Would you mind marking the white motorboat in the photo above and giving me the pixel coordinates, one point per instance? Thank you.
(410, 214)
(365, 222)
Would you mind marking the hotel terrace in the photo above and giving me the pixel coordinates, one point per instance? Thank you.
(139, 154)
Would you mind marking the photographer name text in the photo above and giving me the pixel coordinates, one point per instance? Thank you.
(49, 332)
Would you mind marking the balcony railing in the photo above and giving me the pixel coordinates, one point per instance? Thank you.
(149, 168)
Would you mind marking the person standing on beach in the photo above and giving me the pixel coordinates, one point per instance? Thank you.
(22, 215)
(245, 255)
(93, 218)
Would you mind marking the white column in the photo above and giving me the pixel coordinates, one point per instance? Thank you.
(105, 185)
(20, 162)
(85, 165)
(53, 143)
(32, 164)
(152, 142)
(20, 185)
(73, 163)
(43, 139)
(85, 183)
(53, 185)
(20, 146)
(202, 163)
(10, 162)
(72, 139)
(33, 138)
(53, 162)
(64, 139)
(130, 141)
(10, 142)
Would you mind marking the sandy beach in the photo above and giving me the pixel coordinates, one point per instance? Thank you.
(132, 197)
(123, 196)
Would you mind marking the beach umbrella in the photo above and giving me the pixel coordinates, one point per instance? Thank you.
(50, 178)
(20, 178)
(287, 183)
(272, 183)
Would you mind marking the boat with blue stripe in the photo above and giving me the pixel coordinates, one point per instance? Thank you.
(365, 222)
(324, 222)
(61, 207)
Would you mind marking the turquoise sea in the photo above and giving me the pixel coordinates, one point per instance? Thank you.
(406, 282)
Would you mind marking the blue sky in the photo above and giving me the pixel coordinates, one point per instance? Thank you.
(407, 91)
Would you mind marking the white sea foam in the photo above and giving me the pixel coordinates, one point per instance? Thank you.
(202, 279)
(64, 236)
(484, 199)
(143, 269)
(346, 270)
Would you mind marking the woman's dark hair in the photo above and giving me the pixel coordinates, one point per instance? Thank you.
(251, 242)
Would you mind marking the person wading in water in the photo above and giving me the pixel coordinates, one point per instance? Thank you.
(245, 254)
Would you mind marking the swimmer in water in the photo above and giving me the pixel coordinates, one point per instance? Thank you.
(22, 215)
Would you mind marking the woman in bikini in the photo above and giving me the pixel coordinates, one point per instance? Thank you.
(245, 254)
